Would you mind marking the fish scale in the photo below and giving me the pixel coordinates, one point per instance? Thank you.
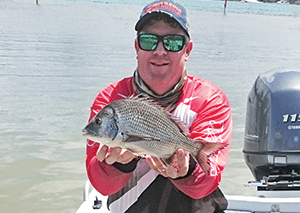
(148, 119)
(144, 127)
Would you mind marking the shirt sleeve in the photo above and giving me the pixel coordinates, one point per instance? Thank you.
(213, 123)
(106, 179)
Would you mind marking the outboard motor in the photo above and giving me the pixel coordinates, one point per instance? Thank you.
(272, 130)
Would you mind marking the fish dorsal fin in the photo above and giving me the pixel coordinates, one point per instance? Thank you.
(143, 97)
(181, 126)
(123, 96)
(133, 96)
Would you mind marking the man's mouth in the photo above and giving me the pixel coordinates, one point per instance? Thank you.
(159, 64)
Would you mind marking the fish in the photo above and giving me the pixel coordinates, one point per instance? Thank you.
(146, 128)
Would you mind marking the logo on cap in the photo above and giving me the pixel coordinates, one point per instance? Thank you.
(165, 5)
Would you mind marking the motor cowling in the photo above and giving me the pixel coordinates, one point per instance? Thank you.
(272, 129)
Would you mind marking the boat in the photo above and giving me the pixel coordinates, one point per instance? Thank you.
(93, 201)
(251, 1)
(271, 148)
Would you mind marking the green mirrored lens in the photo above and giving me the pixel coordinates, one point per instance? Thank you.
(148, 42)
(173, 43)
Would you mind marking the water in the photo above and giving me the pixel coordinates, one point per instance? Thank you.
(55, 57)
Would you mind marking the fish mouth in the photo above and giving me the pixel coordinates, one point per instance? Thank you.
(88, 133)
(85, 134)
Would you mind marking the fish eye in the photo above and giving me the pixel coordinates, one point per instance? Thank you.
(98, 121)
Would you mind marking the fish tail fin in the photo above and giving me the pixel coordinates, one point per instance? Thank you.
(202, 156)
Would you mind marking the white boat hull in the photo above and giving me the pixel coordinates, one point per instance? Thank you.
(286, 203)
(259, 204)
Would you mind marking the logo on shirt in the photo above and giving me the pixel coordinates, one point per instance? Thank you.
(214, 132)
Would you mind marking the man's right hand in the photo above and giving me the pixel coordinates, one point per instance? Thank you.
(114, 154)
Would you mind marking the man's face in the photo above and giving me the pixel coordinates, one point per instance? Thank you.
(161, 69)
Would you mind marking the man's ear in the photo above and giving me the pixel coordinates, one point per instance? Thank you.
(136, 46)
(188, 49)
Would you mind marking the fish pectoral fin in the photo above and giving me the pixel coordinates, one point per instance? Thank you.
(128, 137)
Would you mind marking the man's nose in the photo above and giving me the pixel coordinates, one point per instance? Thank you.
(160, 50)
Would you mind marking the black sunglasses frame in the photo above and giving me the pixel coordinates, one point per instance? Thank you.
(185, 40)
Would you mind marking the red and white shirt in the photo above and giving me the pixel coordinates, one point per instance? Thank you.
(203, 108)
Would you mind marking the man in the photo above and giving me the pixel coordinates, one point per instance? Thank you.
(163, 46)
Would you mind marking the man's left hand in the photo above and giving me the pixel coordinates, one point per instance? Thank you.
(178, 168)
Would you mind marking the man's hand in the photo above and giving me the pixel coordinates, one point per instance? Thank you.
(114, 154)
(179, 167)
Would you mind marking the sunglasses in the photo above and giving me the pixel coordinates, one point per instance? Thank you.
(172, 43)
